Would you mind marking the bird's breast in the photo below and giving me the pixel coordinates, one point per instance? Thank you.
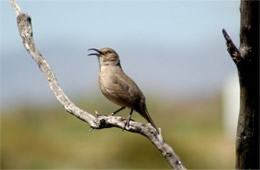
(105, 76)
(118, 87)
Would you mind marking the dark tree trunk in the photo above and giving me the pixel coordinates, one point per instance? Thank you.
(246, 59)
(247, 142)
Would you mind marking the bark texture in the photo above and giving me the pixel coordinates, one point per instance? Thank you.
(246, 59)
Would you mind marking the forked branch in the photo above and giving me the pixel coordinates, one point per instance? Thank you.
(98, 121)
(231, 47)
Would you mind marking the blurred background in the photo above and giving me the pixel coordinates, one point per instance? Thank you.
(174, 50)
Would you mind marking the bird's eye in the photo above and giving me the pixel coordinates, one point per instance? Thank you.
(107, 52)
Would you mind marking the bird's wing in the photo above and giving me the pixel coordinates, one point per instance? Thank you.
(123, 90)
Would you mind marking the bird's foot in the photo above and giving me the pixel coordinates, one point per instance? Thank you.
(127, 123)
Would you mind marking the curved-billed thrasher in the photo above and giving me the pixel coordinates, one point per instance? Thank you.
(117, 86)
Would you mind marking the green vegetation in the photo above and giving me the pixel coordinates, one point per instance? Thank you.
(42, 137)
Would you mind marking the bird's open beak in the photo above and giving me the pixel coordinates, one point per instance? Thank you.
(94, 49)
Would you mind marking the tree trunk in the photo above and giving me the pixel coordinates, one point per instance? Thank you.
(246, 59)
(247, 141)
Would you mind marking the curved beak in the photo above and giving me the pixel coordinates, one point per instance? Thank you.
(96, 50)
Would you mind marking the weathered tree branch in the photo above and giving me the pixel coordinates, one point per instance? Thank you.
(98, 121)
(246, 59)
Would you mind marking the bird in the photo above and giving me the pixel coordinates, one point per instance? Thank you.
(118, 87)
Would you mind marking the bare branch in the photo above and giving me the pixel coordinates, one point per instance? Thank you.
(17, 9)
(231, 47)
(95, 122)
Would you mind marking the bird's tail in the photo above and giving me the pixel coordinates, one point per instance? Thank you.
(147, 116)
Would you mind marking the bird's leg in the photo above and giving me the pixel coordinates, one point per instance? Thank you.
(129, 118)
(118, 110)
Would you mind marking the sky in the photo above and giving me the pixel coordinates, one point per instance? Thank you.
(167, 47)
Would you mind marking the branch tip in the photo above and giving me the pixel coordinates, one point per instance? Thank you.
(231, 47)
(16, 7)
(97, 114)
(91, 129)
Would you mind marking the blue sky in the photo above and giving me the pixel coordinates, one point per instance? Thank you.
(168, 47)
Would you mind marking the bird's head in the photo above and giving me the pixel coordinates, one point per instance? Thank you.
(106, 56)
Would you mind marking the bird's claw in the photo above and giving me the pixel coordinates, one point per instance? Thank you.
(126, 124)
